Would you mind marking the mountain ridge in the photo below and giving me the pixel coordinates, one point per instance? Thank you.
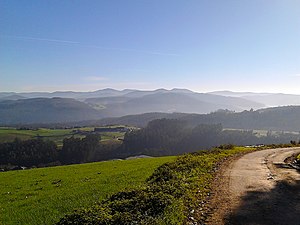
(109, 102)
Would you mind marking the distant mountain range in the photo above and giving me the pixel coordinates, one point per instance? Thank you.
(56, 107)
(268, 99)
(66, 94)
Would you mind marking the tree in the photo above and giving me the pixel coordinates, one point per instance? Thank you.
(76, 150)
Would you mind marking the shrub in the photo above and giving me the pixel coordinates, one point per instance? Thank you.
(226, 146)
(298, 159)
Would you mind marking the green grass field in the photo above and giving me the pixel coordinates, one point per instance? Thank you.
(56, 135)
(43, 196)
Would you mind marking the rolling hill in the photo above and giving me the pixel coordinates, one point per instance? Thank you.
(176, 100)
(45, 110)
(163, 102)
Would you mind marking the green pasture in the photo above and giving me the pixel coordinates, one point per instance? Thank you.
(43, 196)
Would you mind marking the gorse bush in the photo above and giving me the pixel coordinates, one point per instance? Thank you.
(298, 159)
(226, 146)
(167, 197)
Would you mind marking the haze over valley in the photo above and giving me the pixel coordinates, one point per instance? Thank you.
(55, 107)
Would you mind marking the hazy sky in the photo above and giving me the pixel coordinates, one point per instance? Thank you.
(239, 45)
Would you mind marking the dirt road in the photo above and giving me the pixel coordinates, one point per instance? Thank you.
(259, 188)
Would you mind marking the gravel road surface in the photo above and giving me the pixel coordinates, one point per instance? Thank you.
(258, 188)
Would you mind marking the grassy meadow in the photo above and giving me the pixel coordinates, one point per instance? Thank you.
(43, 196)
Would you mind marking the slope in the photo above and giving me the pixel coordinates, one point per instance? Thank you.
(45, 110)
(42, 196)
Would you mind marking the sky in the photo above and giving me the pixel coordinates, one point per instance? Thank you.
(202, 45)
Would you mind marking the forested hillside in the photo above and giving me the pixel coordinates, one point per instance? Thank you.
(276, 119)
(174, 137)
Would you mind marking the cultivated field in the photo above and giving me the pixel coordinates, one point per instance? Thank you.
(42, 196)
(57, 135)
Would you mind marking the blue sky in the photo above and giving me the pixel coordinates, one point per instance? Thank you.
(203, 45)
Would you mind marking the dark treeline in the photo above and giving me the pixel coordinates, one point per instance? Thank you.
(40, 153)
(284, 118)
(28, 153)
(160, 137)
(172, 137)
(77, 150)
